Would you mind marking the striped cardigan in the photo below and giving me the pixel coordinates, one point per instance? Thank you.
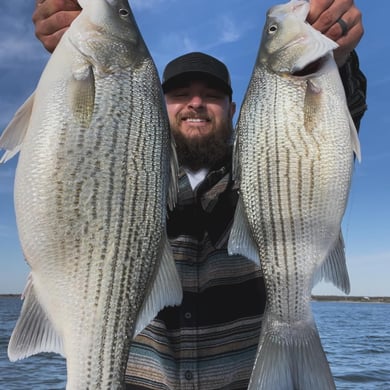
(210, 341)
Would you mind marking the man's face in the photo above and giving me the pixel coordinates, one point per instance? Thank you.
(200, 117)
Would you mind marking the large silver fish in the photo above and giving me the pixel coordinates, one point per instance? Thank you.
(91, 192)
(294, 157)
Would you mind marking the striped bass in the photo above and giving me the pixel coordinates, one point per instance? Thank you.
(293, 161)
(96, 171)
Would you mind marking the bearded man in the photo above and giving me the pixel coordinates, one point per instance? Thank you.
(209, 342)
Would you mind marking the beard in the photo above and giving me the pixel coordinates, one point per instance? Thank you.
(206, 151)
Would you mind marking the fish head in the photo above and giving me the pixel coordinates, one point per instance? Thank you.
(107, 34)
(112, 16)
(289, 43)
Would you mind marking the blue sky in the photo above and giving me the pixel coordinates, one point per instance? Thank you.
(229, 30)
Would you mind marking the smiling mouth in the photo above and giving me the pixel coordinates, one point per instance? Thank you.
(196, 120)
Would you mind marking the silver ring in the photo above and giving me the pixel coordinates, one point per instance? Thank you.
(343, 25)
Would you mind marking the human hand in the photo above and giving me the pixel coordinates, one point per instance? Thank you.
(52, 18)
(325, 16)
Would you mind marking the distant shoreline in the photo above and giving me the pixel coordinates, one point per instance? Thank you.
(342, 298)
(317, 298)
(10, 295)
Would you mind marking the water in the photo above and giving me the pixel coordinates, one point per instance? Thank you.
(43, 371)
(355, 336)
(356, 339)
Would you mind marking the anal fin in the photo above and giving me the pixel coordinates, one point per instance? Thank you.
(241, 241)
(166, 289)
(34, 332)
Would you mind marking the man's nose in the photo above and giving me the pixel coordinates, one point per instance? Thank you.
(196, 101)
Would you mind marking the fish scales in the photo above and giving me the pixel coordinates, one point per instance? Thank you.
(293, 162)
(103, 202)
(295, 179)
(91, 191)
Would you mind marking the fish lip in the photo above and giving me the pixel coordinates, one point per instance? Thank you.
(311, 68)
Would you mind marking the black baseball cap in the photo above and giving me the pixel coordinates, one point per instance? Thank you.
(196, 66)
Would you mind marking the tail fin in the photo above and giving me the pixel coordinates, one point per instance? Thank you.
(291, 358)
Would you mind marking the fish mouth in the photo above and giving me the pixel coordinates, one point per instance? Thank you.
(311, 68)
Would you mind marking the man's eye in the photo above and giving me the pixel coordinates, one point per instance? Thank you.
(214, 95)
(180, 94)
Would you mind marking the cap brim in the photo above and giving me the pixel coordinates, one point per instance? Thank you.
(185, 78)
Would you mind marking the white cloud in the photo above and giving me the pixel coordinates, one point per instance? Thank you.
(14, 49)
(230, 31)
(182, 42)
(206, 37)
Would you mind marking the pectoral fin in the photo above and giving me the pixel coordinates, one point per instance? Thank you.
(12, 138)
(81, 94)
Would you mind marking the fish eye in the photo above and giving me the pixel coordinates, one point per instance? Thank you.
(273, 28)
(123, 12)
